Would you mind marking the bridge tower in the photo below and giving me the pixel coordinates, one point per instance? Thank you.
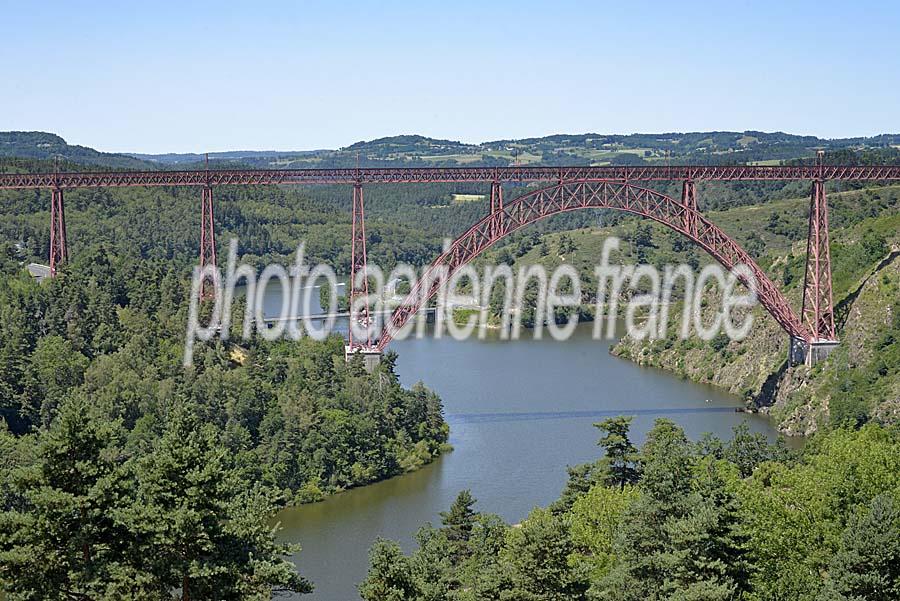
(59, 250)
(818, 303)
(359, 286)
(689, 199)
(207, 231)
(207, 235)
(496, 209)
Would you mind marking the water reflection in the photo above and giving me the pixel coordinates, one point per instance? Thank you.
(520, 412)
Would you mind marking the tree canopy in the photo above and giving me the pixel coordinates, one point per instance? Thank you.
(710, 520)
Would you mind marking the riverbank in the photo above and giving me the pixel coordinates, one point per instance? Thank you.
(519, 411)
(801, 400)
(861, 380)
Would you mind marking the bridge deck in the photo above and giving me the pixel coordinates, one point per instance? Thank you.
(425, 175)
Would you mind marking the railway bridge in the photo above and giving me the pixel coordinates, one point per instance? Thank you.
(621, 188)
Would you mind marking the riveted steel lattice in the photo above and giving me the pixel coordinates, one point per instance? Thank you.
(571, 196)
(359, 284)
(207, 234)
(426, 175)
(818, 304)
(59, 250)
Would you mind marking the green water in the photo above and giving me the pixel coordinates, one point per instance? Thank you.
(519, 413)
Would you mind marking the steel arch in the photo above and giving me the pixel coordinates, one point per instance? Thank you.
(581, 194)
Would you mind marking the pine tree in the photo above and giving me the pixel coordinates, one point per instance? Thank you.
(667, 461)
(867, 566)
(61, 540)
(621, 455)
(390, 576)
(747, 450)
(201, 529)
(55, 369)
(682, 538)
(435, 564)
(459, 521)
(536, 559)
(581, 478)
(708, 546)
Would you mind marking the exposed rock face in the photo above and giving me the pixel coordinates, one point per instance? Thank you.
(798, 398)
(742, 367)
(888, 412)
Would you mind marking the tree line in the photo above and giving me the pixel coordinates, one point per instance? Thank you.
(126, 475)
(709, 520)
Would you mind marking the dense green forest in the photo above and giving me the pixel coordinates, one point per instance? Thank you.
(114, 453)
(41, 145)
(710, 520)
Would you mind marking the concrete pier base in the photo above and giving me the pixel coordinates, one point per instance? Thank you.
(810, 353)
(371, 357)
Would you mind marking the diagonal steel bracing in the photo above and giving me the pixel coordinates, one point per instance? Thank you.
(623, 196)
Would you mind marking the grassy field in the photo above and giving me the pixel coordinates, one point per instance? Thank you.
(524, 158)
(459, 158)
(464, 198)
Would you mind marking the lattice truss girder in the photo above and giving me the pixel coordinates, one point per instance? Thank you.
(221, 177)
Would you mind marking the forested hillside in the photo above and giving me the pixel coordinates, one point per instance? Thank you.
(561, 149)
(860, 381)
(41, 145)
(708, 520)
(94, 399)
(111, 330)
(126, 475)
(416, 150)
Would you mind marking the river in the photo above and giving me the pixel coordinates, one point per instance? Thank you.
(519, 413)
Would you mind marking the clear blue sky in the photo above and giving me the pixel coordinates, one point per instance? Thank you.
(164, 76)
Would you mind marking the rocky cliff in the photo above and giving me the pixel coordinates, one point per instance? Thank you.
(861, 378)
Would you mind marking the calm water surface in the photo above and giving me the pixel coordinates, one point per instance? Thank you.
(519, 413)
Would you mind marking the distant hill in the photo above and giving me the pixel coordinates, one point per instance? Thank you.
(411, 144)
(174, 158)
(42, 145)
(559, 149)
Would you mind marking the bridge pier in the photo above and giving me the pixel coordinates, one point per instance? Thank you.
(818, 305)
(207, 236)
(809, 353)
(359, 281)
(496, 208)
(59, 250)
(689, 200)
(371, 356)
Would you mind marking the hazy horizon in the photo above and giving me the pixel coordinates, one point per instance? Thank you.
(472, 143)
